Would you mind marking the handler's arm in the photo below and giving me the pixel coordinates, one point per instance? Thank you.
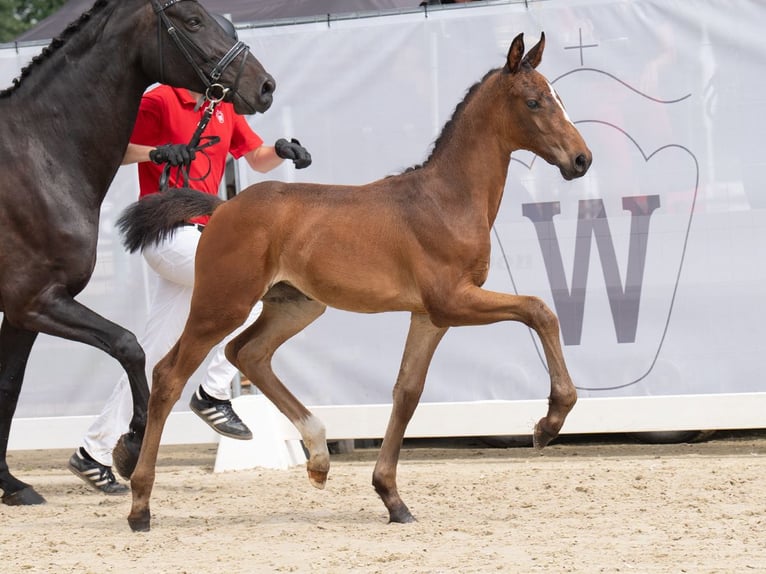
(136, 153)
(263, 158)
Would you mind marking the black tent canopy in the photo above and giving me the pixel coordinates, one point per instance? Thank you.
(240, 11)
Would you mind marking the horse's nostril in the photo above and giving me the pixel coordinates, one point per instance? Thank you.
(268, 87)
(581, 162)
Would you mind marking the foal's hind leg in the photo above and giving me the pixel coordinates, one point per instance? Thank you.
(169, 377)
(286, 312)
(219, 305)
(422, 340)
(15, 345)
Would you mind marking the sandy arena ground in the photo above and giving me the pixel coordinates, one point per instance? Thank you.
(581, 506)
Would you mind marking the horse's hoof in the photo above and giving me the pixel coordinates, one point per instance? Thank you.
(401, 516)
(125, 454)
(27, 496)
(318, 478)
(141, 522)
(541, 437)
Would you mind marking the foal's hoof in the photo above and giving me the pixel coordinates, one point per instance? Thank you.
(541, 437)
(27, 496)
(125, 454)
(140, 521)
(401, 515)
(318, 478)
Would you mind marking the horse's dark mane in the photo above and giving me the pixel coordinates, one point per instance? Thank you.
(51, 48)
(449, 127)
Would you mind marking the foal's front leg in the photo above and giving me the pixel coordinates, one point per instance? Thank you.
(422, 340)
(476, 306)
(563, 394)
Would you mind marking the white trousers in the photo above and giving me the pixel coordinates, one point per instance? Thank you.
(171, 284)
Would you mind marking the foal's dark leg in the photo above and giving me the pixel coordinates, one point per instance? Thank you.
(422, 341)
(59, 315)
(15, 345)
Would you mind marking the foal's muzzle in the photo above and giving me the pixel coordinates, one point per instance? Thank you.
(577, 165)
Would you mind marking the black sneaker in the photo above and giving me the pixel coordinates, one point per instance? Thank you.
(96, 475)
(219, 415)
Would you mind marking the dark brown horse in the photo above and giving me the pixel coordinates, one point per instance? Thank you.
(417, 242)
(64, 127)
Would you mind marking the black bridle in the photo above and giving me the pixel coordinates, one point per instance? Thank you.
(214, 89)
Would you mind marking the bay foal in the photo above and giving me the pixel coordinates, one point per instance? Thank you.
(418, 242)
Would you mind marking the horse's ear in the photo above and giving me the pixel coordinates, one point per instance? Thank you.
(515, 54)
(535, 55)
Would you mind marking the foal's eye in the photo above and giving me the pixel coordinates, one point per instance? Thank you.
(533, 104)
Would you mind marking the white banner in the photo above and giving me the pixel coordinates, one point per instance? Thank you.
(654, 261)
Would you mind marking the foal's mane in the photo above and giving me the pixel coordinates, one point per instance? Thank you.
(55, 44)
(449, 127)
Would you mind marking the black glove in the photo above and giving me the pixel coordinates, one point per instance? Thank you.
(174, 154)
(293, 150)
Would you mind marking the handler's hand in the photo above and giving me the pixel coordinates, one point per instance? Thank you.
(293, 150)
(174, 154)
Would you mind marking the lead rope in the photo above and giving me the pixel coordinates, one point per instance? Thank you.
(211, 101)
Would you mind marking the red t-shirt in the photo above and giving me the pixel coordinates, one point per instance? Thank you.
(167, 115)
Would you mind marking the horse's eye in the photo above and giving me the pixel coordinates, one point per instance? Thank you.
(194, 23)
(533, 104)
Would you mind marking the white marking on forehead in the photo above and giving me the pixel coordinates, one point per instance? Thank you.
(558, 101)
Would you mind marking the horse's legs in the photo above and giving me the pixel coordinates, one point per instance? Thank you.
(204, 329)
(15, 346)
(168, 380)
(286, 312)
(422, 340)
(57, 313)
(563, 395)
(476, 306)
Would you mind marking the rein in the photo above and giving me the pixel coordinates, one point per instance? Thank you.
(194, 143)
(186, 46)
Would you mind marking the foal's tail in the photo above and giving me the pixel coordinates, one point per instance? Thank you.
(155, 217)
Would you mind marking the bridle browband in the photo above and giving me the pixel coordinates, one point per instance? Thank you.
(186, 45)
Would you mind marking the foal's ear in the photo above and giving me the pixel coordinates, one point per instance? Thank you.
(534, 55)
(515, 54)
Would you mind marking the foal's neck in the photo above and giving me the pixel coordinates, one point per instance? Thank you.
(473, 161)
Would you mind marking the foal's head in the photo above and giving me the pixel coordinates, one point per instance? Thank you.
(538, 120)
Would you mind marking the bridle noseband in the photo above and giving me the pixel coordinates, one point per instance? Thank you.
(186, 45)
